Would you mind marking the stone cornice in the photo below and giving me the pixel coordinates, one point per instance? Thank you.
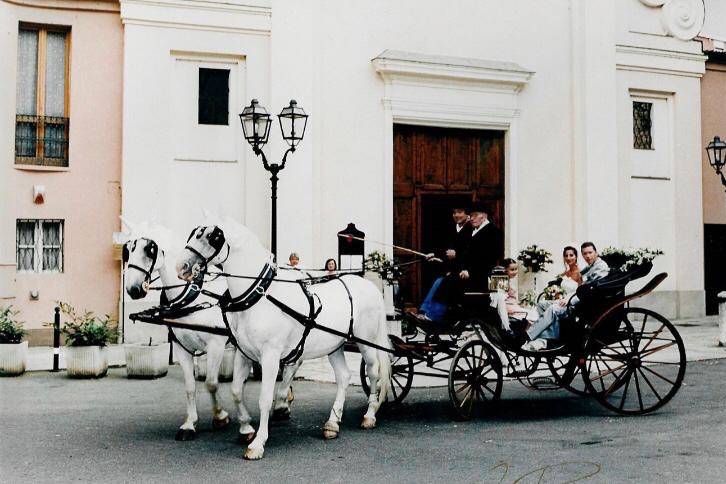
(248, 17)
(644, 59)
(402, 66)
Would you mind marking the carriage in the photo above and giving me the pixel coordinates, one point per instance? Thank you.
(630, 359)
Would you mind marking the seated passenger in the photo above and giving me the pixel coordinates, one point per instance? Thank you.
(548, 325)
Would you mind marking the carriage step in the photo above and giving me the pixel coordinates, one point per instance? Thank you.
(543, 383)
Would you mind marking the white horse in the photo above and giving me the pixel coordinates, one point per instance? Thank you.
(151, 251)
(268, 334)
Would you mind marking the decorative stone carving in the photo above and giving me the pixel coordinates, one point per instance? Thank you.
(683, 19)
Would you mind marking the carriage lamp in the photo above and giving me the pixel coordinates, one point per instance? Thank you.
(256, 121)
(499, 280)
(716, 151)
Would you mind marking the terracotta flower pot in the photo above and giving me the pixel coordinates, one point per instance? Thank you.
(144, 361)
(226, 369)
(13, 358)
(86, 361)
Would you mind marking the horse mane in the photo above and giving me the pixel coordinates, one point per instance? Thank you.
(164, 238)
(236, 234)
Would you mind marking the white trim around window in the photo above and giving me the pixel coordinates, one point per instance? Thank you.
(35, 254)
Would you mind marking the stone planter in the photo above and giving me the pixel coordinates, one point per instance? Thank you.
(86, 361)
(144, 361)
(226, 369)
(13, 358)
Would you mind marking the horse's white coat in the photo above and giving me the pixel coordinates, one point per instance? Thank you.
(267, 334)
(212, 344)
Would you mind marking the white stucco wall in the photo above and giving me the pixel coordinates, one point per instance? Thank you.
(567, 129)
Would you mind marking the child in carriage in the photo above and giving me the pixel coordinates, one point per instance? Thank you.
(507, 304)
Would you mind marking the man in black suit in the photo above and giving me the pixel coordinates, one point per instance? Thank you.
(457, 237)
(476, 255)
(483, 252)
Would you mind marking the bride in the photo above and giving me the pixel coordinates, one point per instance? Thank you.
(571, 278)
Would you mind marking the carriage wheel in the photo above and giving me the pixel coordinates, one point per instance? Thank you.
(475, 377)
(566, 372)
(401, 375)
(637, 373)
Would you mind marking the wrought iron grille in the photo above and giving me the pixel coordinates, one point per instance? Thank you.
(39, 245)
(41, 140)
(642, 137)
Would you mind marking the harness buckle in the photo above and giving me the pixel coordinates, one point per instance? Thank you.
(260, 290)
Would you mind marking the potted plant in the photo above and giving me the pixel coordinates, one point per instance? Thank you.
(147, 360)
(226, 368)
(86, 336)
(535, 260)
(13, 350)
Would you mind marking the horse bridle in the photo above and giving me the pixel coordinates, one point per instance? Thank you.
(216, 241)
(152, 252)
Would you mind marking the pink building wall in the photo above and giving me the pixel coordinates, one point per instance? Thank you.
(713, 123)
(87, 194)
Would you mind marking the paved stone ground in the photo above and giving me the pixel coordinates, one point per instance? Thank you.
(53, 429)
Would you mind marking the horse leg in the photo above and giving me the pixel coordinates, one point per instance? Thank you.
(270, 365)
(283, 393)
(372, 368)
(342, 379)
(187, 430)
(215, 353)
(242, 367)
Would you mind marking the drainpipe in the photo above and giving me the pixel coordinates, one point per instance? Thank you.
(721, 298)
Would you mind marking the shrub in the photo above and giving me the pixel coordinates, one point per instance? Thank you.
(85, 329)
(11, 330)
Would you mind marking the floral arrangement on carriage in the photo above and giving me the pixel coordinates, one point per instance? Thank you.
(13, 350)
(379, 263)
(534, 259)
(553, 292)
(86, 336)
(623, 260)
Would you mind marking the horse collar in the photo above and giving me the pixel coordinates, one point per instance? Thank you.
(253, 293)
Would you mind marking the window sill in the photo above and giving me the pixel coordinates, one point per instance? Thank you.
(22, 167)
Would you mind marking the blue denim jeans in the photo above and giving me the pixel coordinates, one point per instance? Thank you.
(548, 325)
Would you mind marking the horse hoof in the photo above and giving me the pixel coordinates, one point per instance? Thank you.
(254, 454)
(368, 423)
(182, 435)
(218, 424)
(246, 439)
(330, 434)
(280, 414)
(290, 396)
(330, 430)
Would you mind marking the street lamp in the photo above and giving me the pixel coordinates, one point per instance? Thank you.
(256, 123)
(716, 151)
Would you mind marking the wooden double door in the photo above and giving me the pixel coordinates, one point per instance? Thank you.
(436, 169)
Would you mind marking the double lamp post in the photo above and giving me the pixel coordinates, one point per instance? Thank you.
(256, 123)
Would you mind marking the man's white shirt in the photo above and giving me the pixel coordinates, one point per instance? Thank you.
(474, 232)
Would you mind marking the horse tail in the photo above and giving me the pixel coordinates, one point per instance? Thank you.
(384, 358)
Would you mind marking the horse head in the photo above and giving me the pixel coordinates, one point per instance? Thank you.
(211, 244)
(143, 255)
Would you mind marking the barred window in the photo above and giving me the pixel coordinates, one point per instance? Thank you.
(213, 96)
(39, 245)
(642, 136)
(41, 121)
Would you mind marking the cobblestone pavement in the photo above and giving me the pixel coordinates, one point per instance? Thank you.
(53, 429)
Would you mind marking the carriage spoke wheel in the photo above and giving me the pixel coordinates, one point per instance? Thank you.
(401, 375)
(475, 377)
(566, 372)
(640, 370)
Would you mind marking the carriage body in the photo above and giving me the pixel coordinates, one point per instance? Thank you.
(631, 360)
